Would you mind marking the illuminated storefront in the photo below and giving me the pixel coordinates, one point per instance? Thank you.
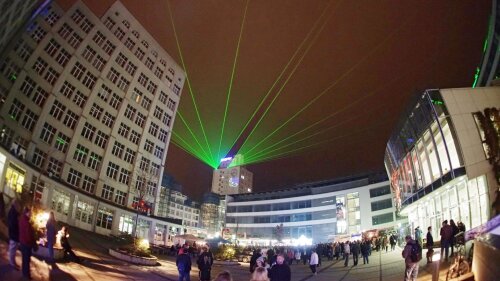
(436, 162)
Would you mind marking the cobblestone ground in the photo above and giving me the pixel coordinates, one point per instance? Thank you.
(98, 265)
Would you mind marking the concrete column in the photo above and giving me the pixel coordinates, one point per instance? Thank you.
(72, 201)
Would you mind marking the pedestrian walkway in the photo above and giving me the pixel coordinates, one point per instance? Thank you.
(98, 265)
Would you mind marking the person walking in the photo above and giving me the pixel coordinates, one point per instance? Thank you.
(392, 241)
(13, 225)
(365, 250)
(205, 262)
(183, 263)
(280, 271)
(418, 236)
(355, 252)
(313, 263)
(27, 241)
(429, 244)
(260, 274)
(347, 251)
(50, 227)
(411, 267)
(446, 233)
(454, 231)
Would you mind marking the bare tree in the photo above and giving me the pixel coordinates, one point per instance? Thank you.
(146, 183)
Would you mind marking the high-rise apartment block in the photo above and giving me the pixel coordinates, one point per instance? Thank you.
(87, 106)
(232, 180)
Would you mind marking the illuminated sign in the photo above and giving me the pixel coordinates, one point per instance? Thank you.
(226, 159)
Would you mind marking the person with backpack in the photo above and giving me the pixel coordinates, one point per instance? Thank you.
(205, 261)
(183, 263)
(412, 253)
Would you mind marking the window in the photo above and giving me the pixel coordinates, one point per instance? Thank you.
(88, 185)
(163, 135)
(62, 142)
(54, 168)
(158, 112)
(48, 132)
(129, 43)
(79, 99)
(108, 47)
(119, 33)
(57, 110)
(109, 23)
(99, 63)
(123, 130)
(149, 63)
(124, 176)
(86, 26)
(51, 76)
(113, 75)
(52, 47)
(88, 131)
(40, 96)
(136, 95)
(139, 53)
(167, 119)
(171, 104)
(148, 146)
(29, 120)
(94, 161)
(153, 129)
(135, 33)
(96, 111)
(65, 31)
(163, 62)
(39, 66)
(85, 211)
(63, 57)
(130, 112)
(77, 16)
(101, 139)
(155, 169)
(52, 18)
(108, 119)
(25, 52)
(131, 68)
(81, 153)
(115, 101)
(70, 119)
(67, 89)
(380, 191)
(176, 89)
(99, 38)
(74, 177)
(78, 70)
(104, 218)
(144, 165)
(146, 103)
(129, 156)
(123, 84)
(38, 34)
(143, 80)
(140, 119)
(75, 40)
(152, 87)
(39, 158)
(159, 152)
(384, 218)
(120, 197)
(158, 72)
(163, 97)
(135, 137)
(126, 23)
(112, 170)
(118, 149)
(382, 204)
(104, 93)
(89, 54)
(121, 60)
(16, 109)
(89, 80)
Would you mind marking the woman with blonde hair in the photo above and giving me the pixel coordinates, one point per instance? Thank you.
(260, 274)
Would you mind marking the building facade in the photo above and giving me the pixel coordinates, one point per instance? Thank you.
(437, 158)
(87, 109)
(312, 213)
(213, 208)
(232, 180)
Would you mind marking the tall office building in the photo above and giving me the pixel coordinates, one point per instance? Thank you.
(87, 109)
(232, 180)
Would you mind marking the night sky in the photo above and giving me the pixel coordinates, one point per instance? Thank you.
(357, 62)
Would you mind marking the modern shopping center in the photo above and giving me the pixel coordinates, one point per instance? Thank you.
(312, 213)
(437, 158)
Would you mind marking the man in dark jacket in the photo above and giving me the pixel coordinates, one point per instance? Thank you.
(183, 263)
(280, 271)
(13, 224)
(355, 252)
(365, 251)
(429, 244)
(253, 260)
(411, 270)
(205, 261)
(446, 233)
(27, 241)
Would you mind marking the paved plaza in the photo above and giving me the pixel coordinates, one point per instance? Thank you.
(98, 265)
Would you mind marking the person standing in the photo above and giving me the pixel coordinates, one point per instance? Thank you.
(280, 271)
(418, 236)
(454, 231)
(253, 260)
(313, 263)
(51, 235)
(68, 250)
(205, 261)
(429, 244)
(13, 225)
(364, 251)
(27, 241)
(446, 233)
(347, 251)
(392, 240)
(411, 267)
(2, 207)
(183, 263)
(355, 252)
(260, 274)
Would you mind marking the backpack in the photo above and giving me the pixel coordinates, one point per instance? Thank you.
(416, 252)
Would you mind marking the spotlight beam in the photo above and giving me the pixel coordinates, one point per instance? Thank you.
(192, 134)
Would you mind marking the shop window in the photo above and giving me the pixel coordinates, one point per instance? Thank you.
(14, 179)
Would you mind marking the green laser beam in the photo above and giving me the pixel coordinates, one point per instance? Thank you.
(232, 77)
(190, 147)
(280, 75)
(192, 133)
(344, 75)
(187, 77)
(191, 153)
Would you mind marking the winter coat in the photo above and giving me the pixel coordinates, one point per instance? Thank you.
(314, 259)
(430, 240)
(26, 232)
(51, 232)
(13, 224)
(280, 272)
(407, 252)
(183, 261)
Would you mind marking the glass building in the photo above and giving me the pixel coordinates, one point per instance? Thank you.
(437, 162)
